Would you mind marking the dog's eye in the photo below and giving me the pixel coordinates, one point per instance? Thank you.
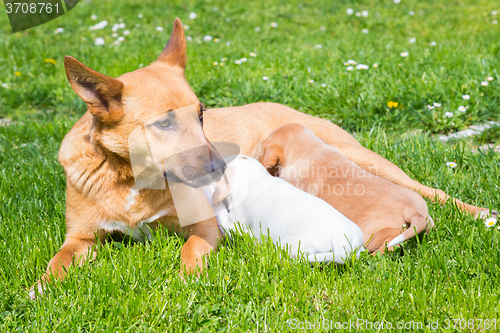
(163, 124)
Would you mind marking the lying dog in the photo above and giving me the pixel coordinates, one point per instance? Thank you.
(102, 194)
(385, 212)
(266, 205)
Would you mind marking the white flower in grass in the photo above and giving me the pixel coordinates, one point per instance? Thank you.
(494, 12)
(484, 83)
(243, 59)
(116, 42)
(121, 25)
(93, 17)
(365, 31)
(228, 19)
(322, 28)
(489, 78)
(216, 40)
(238, 62)
(99, 41)
(350, 68)
(126, 33)
(462, 108)
(141, 65)
(318, 46)
(397, 1)
(361, 66)
(257, 29)
(223, 59)
(189, 38)
(265, 78)
(58, 31)
(115, 27)
(274, 24)
(412, 13)
(358, 14)
(121, 39)
(437, 105)
(466, 97)
(99, 26)
(349, 11)
(221, 64)
(404, 54)
(192, 15)
(364, 13)
(452, 165)
(140, 16)
(351, 62)
(448, 114)
(494, 22)
(433, 44)
(114, 35)
(185, 26)
(323, 85)
(310, 81)
(5, 85)
(412, 40)
(159, 28)
(228, 43)
(138, 25)
(430, 107)
(490, 222)
(253, 54)
(375, 65)
(215, 63)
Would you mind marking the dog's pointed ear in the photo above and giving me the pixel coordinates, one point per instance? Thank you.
(175, 52)
(103, 94)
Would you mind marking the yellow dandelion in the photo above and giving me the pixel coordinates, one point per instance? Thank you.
(51, 61)
(392, 104)
(226, 278)
(17, 73)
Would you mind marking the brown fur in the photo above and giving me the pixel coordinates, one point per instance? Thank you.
(380, 208)
(96, 159)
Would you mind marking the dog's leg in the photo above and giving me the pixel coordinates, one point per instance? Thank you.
(202, 239)
(74, 251)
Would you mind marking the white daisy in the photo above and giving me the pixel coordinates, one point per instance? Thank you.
(412, 40)
(349, 11)
(215, 63)
(350, 68)
(462, 108)
(412, 13)
(494, 12)
(216, 40)
(189, 38)
(207, 38)
(375, 65)
(323, 85)
(265, 78)
(121, 39)
(126, 33)
(490, 222)
(351, 62)
(489, 78)
(214, 9)
(228, 43)
(243, 59)
(93, 17)
(58, 31)
(361, 66)
(448, 114)
(364, 13)
(494, 22)
(274, 24)
(257, 29)
(159, 28)
(114, 35)
(185, 26)
(238, 62)
(365, 31)
(358, 14)
(404, 54)
(437, 105)
(310, 81)
(466, 97)
(228, 19)
(99, 26)
(484, 83)
(318, 46)
(138, 25)
(121, 25)
(99, 41)
(140, 16)
(223, 59)
(397, 1)
(5, 85)
(253, 54)
(192, 15)
(433, 44)
(452, 165)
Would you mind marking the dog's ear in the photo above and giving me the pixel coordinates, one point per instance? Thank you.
(270, 158)
(175, 52)
(101, 93)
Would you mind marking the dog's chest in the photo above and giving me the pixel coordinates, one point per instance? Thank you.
(143, 211)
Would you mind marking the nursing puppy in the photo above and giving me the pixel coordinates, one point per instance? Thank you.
(387, 214)
(269, 205)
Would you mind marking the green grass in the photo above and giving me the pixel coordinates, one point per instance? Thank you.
(452, 273)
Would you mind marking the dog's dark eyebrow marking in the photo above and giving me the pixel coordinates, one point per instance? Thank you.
(202, 109)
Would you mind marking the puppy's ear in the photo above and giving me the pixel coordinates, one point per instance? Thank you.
(174, 53)
(270, 158)
(102, 93)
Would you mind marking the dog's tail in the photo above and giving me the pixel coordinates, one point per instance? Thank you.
(418, 223)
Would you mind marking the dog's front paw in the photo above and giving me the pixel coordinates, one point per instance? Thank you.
(38, 286)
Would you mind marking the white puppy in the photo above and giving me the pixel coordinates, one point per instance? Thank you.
(271, 206)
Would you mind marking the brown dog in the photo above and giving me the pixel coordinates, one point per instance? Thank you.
(101, 191)
(381, 209)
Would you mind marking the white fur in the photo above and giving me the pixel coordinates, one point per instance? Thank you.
(138, 233)
(290, 216)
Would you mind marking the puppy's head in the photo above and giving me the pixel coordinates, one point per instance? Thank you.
(156, 102)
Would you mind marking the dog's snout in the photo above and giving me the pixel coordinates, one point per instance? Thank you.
(215, 163)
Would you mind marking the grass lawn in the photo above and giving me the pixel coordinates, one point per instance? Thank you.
(451, 274)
